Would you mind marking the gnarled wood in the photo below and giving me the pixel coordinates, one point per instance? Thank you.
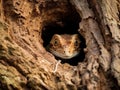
(24, 62)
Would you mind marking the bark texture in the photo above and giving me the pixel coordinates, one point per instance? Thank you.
(26, 65)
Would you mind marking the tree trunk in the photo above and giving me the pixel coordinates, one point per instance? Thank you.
(26, 27)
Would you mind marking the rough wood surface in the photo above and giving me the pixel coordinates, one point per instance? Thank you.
(24, 62)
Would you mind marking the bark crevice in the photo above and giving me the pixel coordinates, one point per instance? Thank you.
(25, 63)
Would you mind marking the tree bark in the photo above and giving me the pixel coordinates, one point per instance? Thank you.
(25, 63)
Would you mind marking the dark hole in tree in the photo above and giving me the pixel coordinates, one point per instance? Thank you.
(68, 24)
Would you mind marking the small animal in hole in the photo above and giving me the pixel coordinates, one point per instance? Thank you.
(64, 46)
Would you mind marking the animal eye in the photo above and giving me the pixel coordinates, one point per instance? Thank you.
(55, 42)
(76, 43)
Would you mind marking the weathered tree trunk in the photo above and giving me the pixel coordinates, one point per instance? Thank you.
(26, 27)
